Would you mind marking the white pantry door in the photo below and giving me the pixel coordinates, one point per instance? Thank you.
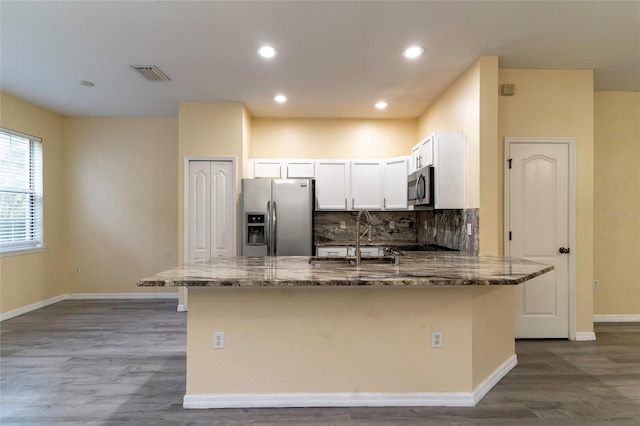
(538, 229)
(211, 229)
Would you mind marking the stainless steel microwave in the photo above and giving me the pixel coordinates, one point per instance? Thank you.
(420, 187)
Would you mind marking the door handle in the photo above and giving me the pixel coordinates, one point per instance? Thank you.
(564, 250)
(275, 229)
(268, 228)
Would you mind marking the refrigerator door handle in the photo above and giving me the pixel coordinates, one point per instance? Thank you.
(268, 228)
(275, 230)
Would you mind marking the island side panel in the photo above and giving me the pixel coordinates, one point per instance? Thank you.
(493, 330)
(326, 340)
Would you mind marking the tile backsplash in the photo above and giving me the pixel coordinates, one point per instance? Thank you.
(327, 227)
(446, 228)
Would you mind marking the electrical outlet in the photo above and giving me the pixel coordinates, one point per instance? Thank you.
(596, 284)
(218, 340)
(468, 229)
(425, 226)
(436, 339)
(392, 224)
(343, 224)
(76, 270)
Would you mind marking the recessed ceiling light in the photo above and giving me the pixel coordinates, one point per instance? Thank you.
(381, 105)
(280, 99)
(413, 52)
(267, 51)
(87, 83)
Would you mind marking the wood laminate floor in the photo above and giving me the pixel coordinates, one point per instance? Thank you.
(123, 363)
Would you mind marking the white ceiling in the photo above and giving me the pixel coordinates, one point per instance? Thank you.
(336, 58)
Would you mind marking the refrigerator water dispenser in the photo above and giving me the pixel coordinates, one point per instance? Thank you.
(255, 223)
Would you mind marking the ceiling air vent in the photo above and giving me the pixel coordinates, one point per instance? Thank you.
(151, 72)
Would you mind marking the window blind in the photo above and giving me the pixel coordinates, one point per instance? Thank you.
(20, 191)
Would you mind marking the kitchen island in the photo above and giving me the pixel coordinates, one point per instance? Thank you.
(301, 334)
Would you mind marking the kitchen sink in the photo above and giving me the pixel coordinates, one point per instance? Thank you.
(351, 261)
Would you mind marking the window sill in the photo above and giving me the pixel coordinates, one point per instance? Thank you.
(19, 252)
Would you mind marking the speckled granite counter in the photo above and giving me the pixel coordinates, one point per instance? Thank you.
(416, 269)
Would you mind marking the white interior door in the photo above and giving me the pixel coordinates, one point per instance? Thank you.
(211, 228)
(538, 219)
(199, 210)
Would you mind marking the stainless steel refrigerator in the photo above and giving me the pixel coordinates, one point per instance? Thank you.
(277, 217)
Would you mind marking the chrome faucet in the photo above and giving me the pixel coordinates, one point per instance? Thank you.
(367, 217)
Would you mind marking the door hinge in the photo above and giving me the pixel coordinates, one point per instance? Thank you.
(509, 235)
(509, 160)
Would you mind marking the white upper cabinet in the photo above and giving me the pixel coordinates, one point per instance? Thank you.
(422, 154)
(395, 173)
(366, 185)
(416, 153)
(265, 168)
(332, 185)
(449, 170)
(300, 169)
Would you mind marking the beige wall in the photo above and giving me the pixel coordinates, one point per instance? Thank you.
(331, 138)
(558, 103)
(490, 349)
(470, 105)
(121, 191)
(617, 202)
(31, 278)
(345, 339)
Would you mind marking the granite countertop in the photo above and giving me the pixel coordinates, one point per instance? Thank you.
(417, 269)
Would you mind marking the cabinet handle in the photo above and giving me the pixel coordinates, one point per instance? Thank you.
(384, 203)
(346, 206)
(353, 203)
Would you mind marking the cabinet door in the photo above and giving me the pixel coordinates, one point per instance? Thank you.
(367, 251)
(267, 168)
(366, 185)
(395, 183)
(426, 156)
(301, 169)
(416, 153)
(338, 251)
(332, 183)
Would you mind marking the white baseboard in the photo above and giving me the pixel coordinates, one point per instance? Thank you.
(493, 379)
(85, 296)
(30, 308)
(415, 399)
(617, 318)
(106, 296)
(585, 336)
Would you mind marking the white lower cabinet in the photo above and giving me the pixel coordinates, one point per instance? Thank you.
(341, 251)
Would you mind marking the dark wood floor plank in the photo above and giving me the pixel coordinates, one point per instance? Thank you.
(123, 362)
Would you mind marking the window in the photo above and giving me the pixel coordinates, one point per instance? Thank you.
(20, 191)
